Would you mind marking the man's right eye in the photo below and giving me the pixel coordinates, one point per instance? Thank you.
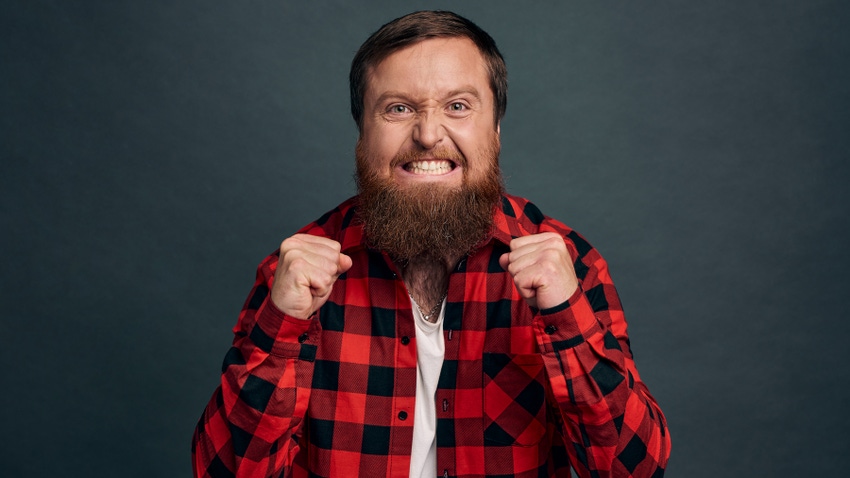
(398, 109)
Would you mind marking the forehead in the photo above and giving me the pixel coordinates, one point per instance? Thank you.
(430, 67)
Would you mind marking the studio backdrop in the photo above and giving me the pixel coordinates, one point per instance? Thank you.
(152, 153)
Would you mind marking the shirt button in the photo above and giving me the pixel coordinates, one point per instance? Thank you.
(550, 329)
(405, 340)
(303, 338)
(402, 415)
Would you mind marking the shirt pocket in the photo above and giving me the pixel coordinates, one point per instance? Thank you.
(514, 399)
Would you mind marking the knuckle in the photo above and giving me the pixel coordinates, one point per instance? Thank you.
(329, 267)
(336, 246)
(289, 243)
(553, 239)
(551, 255)
(296, 263)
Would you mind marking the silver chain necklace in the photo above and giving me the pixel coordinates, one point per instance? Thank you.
(433, 310)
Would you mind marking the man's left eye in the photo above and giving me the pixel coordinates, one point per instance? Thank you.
(457, 107)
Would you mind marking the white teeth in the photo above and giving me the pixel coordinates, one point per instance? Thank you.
(429, 167)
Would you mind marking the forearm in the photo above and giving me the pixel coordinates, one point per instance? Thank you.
(249, 425)
(605, 408)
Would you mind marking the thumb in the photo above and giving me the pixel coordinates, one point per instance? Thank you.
(344, 263)
(504, 260)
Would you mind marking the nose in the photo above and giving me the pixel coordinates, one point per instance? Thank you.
(428, 130)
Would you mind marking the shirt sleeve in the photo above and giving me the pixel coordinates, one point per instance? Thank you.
(250, 426)
(611, 424)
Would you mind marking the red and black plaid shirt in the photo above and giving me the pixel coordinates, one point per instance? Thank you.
(522, 393)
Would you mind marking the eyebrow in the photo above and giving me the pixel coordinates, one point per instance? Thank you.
(467, 90)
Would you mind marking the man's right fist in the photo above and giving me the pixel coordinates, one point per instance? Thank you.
(306, 271)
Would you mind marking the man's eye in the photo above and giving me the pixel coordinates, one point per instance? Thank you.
(398, 109)
(457, 107)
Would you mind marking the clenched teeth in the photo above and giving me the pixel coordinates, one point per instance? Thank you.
(429, 167)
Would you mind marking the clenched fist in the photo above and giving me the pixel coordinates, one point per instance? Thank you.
(542, 269)
(306, 271)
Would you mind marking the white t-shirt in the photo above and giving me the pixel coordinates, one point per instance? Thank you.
(430, 351)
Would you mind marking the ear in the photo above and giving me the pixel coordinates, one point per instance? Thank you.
(499, 128)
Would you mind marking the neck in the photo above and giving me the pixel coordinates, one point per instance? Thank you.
(427, 279)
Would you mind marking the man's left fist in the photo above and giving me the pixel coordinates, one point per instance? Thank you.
(542, 269)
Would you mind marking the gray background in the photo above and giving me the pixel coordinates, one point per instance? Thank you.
(152, 153)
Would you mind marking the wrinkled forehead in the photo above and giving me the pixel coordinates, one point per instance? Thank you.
(430, 66)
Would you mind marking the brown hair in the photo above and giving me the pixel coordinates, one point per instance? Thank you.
(416, 27)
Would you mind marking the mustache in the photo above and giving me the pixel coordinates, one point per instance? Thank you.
(437, 154)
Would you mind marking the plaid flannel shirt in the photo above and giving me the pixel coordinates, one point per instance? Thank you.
(522, 392)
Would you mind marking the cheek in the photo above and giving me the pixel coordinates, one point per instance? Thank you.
(374, 154)
(384, 143)
(478, 146)
(473, 135)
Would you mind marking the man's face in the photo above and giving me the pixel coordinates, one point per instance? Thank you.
(429, 116)
(427, 160)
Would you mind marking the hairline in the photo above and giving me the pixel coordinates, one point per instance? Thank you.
(494, 63)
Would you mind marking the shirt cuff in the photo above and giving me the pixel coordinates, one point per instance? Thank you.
(568, 324)
(280, 334)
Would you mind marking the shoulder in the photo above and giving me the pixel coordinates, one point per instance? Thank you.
(339, 224)
(522, 217)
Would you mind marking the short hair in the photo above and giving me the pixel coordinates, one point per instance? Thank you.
(414, 28)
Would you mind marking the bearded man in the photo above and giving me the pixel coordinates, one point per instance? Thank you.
(433, 325)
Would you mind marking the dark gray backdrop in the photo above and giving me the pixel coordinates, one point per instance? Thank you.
(151, 153)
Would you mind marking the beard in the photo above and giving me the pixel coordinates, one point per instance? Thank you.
(430, 222)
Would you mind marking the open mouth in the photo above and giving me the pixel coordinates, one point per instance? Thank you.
(433, 167)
